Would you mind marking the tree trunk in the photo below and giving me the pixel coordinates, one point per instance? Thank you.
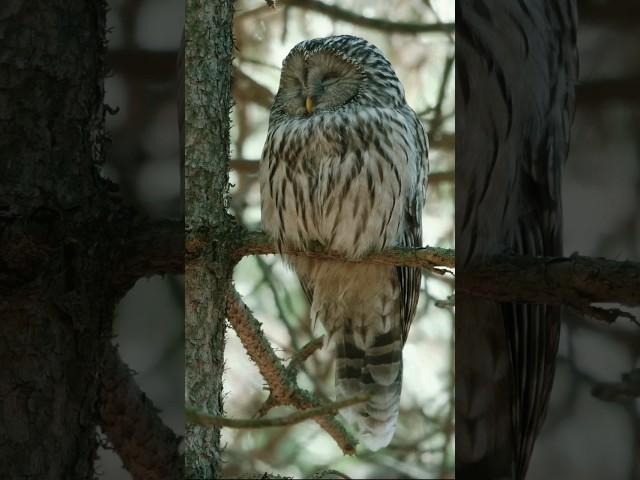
(69, 249)
(55, 234)
(208, 54)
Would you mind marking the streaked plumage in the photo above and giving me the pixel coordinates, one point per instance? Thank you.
(516, 71)
(349, 177)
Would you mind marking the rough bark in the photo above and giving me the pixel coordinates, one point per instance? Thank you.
(55, 231)
(64, 254)
(208, 54)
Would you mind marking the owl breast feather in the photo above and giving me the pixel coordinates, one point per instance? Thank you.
(338, 181)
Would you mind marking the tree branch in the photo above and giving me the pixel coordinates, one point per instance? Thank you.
(147, 447)
(430, 258)
(144, 64)
(338, 13)
(292, 369)
(576, 281)
(153, 248)
(623, 391)
(305, 352)
(202, 418)
(249, 90)
(281, 382)
(157, 248)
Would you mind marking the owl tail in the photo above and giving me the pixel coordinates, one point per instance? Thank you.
(372, 366)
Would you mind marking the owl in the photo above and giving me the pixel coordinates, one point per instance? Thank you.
(344, 170)
(515, 91)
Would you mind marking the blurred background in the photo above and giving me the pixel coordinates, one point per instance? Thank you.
(584, 437)
(143, 158)
(423, 446)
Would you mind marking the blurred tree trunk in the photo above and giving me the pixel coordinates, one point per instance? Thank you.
(69, 250)
(208, 55)
(56, 230)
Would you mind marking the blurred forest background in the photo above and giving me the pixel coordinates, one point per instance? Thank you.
(143, 158)
(584, 437)
(423, 446)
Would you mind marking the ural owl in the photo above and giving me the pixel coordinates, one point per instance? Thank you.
(515, 85)
(344, 170)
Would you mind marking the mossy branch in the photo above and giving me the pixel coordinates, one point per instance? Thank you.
(431, 258)
(281, 380)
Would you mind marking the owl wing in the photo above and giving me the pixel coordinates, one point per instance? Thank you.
(515, 78)
(412, 233)
(307, 288)
(533, 331)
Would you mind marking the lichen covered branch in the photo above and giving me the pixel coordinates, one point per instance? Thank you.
(284, 389)
(257, 243)
(576, 281)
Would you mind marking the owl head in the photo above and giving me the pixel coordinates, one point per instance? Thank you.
(333, 73)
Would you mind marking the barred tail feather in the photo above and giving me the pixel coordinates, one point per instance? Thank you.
(376, 370)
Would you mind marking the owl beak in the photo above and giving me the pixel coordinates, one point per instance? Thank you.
(308, 104)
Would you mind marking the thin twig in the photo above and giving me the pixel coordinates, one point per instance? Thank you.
(295, 364)
(437, 118)
(200, 417)
(305, 352)
(249, 90)
(281, 381)
(623, 391)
